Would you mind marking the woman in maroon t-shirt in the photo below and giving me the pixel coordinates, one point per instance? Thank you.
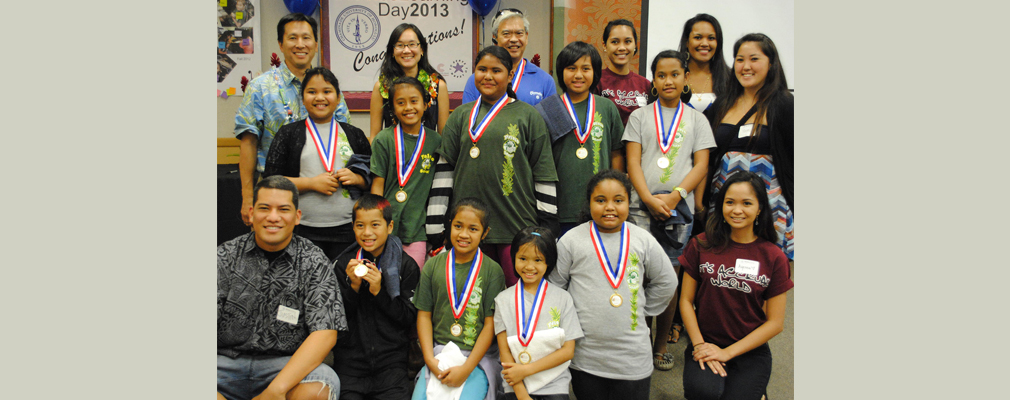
(733, 296)
(626, 89)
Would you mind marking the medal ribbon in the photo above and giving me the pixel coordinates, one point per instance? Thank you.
(476, 134)
(615, 277)
(590, 115)
(518, 77)
(528, 324)
(458, 302)
(328, 155)
(358, 256)
(666, 139)
(404, 167)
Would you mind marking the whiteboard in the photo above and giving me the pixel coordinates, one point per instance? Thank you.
(737, 17)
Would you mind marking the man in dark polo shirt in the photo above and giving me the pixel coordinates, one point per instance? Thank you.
(278, 306)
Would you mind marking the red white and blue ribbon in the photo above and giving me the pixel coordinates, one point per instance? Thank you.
(475, 134)
(527, 325)
(613, 276)
(590, 115)
(359, 257)
(327, 154)
(518, 77)
(404, 167)
(666, 137)
(458, 301)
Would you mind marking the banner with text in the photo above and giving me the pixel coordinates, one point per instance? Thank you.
(360, 30)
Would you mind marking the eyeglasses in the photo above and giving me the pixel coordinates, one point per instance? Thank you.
(509, 34)
(411, 45)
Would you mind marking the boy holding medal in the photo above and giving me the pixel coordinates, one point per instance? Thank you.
(377, 281)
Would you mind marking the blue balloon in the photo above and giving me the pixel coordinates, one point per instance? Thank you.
(306, 7)
(482, 7)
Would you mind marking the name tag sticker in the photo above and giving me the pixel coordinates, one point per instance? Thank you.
(289, 315)
(640, 100)
(745, 130)
(747, 267)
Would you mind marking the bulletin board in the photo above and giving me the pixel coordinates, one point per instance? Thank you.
(238, 44)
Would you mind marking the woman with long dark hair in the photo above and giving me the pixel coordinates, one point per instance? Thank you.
(733, 295)
(702, 39)
(753, 126)
(407, 55)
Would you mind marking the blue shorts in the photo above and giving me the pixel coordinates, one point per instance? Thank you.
(474, 388)
(246, 377)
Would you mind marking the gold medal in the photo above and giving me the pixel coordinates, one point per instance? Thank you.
(525, 358)
(456, 329)
(582, 153)
(361, 270)
(663, 162)
(401, 196)
(616, 300)
(474, 152)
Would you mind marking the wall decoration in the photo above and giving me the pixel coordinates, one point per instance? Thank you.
(238, 44)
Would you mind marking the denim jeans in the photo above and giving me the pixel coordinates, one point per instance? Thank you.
(643, 219)
(246, 377)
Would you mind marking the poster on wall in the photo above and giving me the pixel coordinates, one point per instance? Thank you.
(238, 36)
(360, 29)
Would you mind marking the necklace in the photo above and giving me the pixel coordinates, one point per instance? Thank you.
(707, 84)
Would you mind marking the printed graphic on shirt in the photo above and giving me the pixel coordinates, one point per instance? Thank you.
(509, 145)
(470, 315)
(555, 318)
(672, 154)
(623, 98)
(426, 161)
(729, 278)
(634, 285)
(597, 132)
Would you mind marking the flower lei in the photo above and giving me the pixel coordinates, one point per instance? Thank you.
(425, 80)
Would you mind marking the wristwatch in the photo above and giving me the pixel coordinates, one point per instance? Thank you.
(683, 193)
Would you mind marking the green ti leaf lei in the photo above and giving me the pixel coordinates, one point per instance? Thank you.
(672, 154)
(507, 170)
(470, 315)
(345, 154)
(422, 76)
(634, 293)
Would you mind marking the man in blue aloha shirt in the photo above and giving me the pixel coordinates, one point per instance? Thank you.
(274, 99)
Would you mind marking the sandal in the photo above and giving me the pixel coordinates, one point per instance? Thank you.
(675, 333)
(663, 361)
